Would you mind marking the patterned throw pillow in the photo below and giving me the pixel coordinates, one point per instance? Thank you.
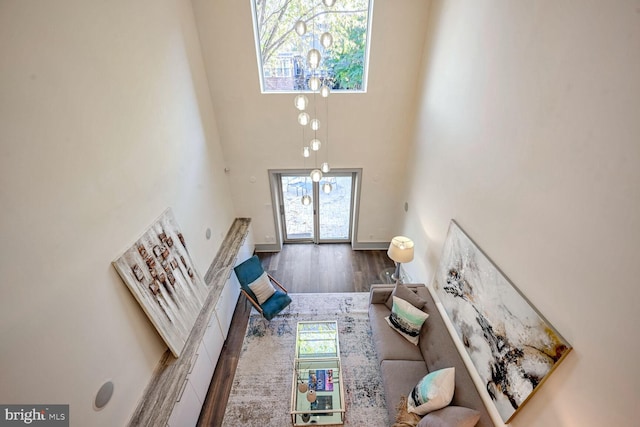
(262, 288)
(433, 392)
(406, 319)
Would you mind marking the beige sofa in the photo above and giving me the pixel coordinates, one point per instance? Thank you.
(403, 364)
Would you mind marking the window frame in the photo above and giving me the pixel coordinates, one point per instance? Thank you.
(261, 74)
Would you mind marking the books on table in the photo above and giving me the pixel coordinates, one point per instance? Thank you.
(321, 379)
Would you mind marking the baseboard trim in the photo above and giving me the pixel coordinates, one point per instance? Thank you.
(268, 247)
(356, 246)
(370, 246)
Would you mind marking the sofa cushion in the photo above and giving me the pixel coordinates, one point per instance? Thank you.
(451, 416)
(439, 351)
(275, 304)
(388, 343)
(434, 391)
(401, 291)
(398, 378)
(406, 319)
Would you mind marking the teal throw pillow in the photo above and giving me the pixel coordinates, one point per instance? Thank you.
(406, 320)
(433, 392)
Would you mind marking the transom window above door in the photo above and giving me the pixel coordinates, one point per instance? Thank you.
(297, 40)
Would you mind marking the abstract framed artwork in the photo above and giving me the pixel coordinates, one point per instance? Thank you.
(159, 273)
(512, 346)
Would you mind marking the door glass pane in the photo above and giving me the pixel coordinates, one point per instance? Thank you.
(298, 218)
(335, 208)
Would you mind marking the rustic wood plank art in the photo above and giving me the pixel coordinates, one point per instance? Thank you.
(159, 273)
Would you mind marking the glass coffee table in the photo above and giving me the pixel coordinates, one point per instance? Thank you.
(317, 395)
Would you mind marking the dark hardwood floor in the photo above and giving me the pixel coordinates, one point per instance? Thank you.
(301, 268)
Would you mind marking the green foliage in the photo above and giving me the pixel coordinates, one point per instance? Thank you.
(346, 21)
(347, 56)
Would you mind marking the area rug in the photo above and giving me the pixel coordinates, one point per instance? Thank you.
(261, 391)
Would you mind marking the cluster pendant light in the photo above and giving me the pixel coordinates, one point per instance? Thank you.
(301, 102)
(315, 144)
(313, 58)
(314, 64)
(326, 40)
(301, 28)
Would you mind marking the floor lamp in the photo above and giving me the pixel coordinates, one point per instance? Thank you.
(400, 250)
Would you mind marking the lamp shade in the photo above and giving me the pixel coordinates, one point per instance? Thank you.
(401, 249)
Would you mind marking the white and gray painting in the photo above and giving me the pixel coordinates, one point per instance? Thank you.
(513, 348)
(159, 273)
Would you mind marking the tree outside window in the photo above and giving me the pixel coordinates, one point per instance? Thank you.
(282, 52)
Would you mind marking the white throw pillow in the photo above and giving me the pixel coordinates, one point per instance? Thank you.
(433, 392)
(406, 320)
(262, 288)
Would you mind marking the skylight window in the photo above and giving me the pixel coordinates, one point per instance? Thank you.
(286, 30)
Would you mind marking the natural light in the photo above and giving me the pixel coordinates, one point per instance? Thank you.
(286, 31)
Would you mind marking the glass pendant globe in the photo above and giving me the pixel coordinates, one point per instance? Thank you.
(315, 124)
(314, 83)
(303, 119)
(325, 91)
(306, 200)
(326, 40)
(306, 152)
(300, 27)
(313, 58)
(326, 187)
(315, 144)
(301, 102)
(325, 167)
(329, 3)
(316, 175)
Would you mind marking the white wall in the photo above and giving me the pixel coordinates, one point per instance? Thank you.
(369, 131)
(528, 134)
(105, 121)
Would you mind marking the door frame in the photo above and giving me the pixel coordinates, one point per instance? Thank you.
(278, 207)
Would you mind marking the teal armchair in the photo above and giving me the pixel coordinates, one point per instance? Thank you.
(248, 272)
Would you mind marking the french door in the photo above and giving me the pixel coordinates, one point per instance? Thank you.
(319, 212)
